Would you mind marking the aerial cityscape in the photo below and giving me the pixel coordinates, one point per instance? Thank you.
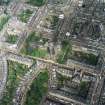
(52, 52)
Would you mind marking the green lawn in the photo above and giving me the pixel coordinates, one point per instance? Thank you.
(54, 21)
(3, 20)
(36, 2)
(88, 58)
(62, 80)
(12, 39)
(83, 89)
(37, 52)
(25, 15)
(65, 52)
(15, 71)
(5, 2)
(38, 89)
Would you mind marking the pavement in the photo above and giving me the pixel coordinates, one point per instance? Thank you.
(3, 74)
